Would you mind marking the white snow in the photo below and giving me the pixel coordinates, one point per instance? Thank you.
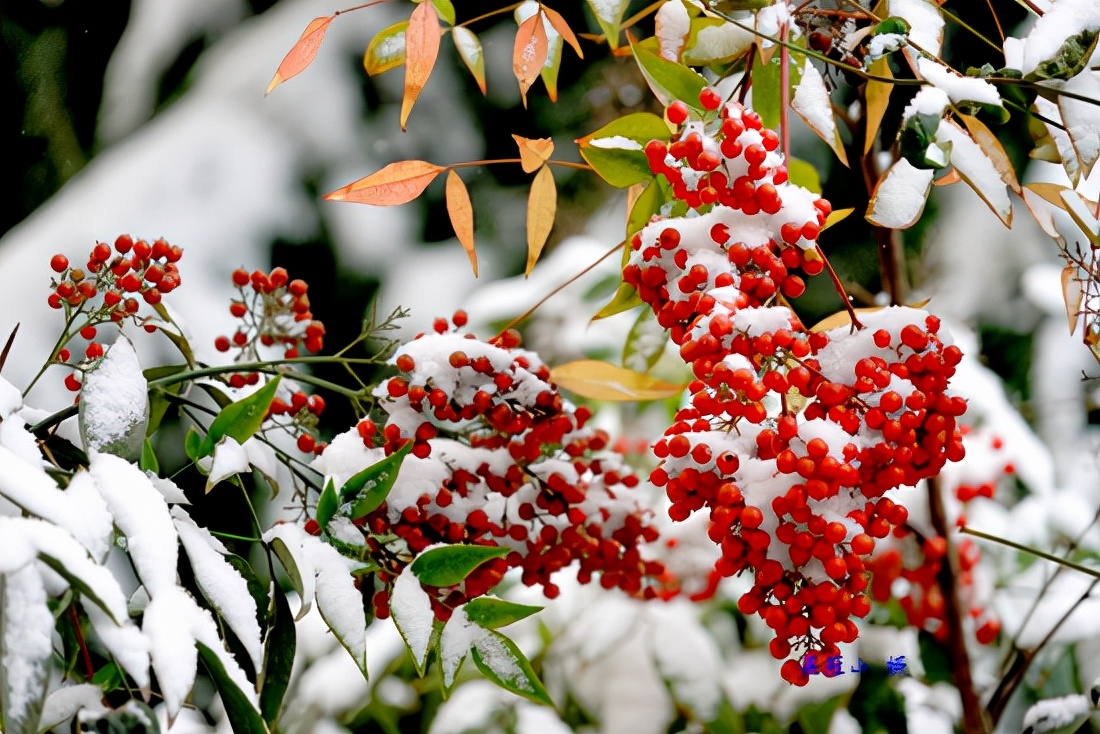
(900, 196)
(976, 168)
(811, 102)
(1054, 713)
(615, 142)
(230, 458)
(1082, 122)
(459, 635)
(1065, 18)
(142, 515)
(928, 101)
(958, 88)
(11, 399)
(412, 613)
(221, 585)
(126, 643)
(114, 403)
(925, 23)
(27, 629)
(672, 27)
(609, 11)
(64, 703)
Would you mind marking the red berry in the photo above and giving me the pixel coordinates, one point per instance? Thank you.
(58, 263)
(710, 99)
(677, 113)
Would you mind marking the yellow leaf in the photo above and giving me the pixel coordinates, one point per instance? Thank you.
(303, 52)
(1052, 194)
(843, 318)
(878, 98)
(397, 183)
(992, 148)
(469, 49)
(558, 24)
(542, 206)
(1072, 295)
(605, 381)
(533, 152)
(529, 53)
(951, 177)
(625, 298)
(421, 49)
(386, 50)
(836, 216)
(461, 212)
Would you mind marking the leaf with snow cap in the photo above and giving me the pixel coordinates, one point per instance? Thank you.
(616, 151)
(1071, 59)
(811, 103)
(239, 709)
(338, 600)
(1057, 714)
(412, 613)
(114, 403)
(241, 419)
(224, 589)
(386, 50)
(501, 661)
(66, 702)
(369, 488)
(469, 50)
(977, 169)
(529, 53)
(285, 540)
(900, 196)
(1081, 119)
(26, 629)
(124, 641)
(714, 41)
(609, 16)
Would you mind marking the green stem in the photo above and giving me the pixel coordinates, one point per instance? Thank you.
(231, 536)
(1095, 573)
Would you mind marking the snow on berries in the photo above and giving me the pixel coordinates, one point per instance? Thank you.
(791, 439)
(498, 457)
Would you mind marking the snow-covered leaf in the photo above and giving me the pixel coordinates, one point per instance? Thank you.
(1081, 118)
(672, 25)
(240, 709)
(976, 169)
(458, 636)
(609, 14)
(900, 196)
(604, 381)
(142, 515)
(114, 403)
(225, 590)
(959, 88)
(369, 488)
(1083, 215)
(617, 150)
(124, 640)
(386, 50)
(1067, 712)
(241, 419)
(26, 627)
(65, 702)
(230, 459)
(501, 661)
(811, 102)
(285, 540)
(529, 53)
(925, 23)
(469, 50)
(448, 565)
(714, 41)
(412, 613)
(1071, 58)
(1066, 152)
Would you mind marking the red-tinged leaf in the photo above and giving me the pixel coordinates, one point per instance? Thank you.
(558, 24)
(421, 50)
(1072, 295)
(397, 183)
(542, 206)
(461, 212)
(469, 50)
(605, 381)
(529, 53)
(303, 53)
(533, 152)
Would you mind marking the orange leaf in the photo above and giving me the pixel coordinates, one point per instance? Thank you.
(1072, 295)
(533, 152)
(421, 49)
(558, 24)
(604, 381)
(397, 183)
(542, 206)
(301, 56)
(461, 212)
(529, 53)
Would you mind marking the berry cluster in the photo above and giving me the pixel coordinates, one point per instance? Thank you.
(498, 457)
(792, 437)
(107, 289)
(273, 310)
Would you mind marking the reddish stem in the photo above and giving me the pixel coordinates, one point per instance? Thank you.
(840, 290)
(89, 669)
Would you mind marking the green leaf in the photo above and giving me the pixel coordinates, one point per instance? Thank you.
(669, 80)
(445, 9)
(733, 6)
(386, 50)
(551, 68)
(643, 327)
(1070, 60)
(469, 50)
(149, 457)
(290, 565)
(609, 16)
(766, 94)
(617, 150)
(240, 420)
(919, 132)
(327, 504)
(500, 660)
(814, 717)
(893, 24)
(803, 174)
(192, 444)
(492, 613)
(450, 564)
(370, 487)
(278, 658)
(625, 298)
(243, 717)
(725, 42)
(109, 678)
(648, 203)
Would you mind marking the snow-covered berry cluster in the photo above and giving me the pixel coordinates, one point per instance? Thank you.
(498, 457)
(792, 437)
(106, 290)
